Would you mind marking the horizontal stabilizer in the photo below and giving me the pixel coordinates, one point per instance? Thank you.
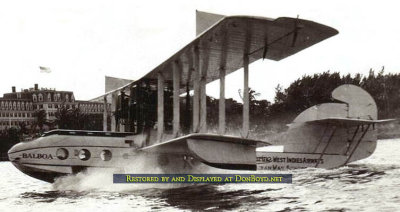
(348, 121)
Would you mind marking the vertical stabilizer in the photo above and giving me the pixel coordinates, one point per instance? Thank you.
(112, 83)
(205, 20)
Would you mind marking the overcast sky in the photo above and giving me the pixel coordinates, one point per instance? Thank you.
(82, 41)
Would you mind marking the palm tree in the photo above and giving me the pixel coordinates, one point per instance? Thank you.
(40, 118)
(70, 118)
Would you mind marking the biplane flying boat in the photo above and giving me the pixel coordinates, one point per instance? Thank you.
(327, 135)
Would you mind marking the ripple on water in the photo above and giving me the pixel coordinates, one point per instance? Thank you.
(51, 196)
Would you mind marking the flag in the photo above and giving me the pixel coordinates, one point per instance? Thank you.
(44, 69)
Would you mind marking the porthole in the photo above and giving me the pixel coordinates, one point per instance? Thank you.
(84, 154)
(106, 155)
(62, 153)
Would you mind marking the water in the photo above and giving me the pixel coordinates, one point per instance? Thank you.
(372, 184)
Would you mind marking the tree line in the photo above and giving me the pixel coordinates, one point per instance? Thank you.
(309, 90)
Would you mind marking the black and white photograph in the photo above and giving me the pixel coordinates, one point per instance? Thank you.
(199, 105)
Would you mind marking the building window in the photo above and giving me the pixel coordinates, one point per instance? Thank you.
(40, 97)
(49, 97)
(72, 98)
(34, 97)
(66, 97)
(14, 105)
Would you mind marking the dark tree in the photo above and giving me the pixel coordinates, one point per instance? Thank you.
(41, 120)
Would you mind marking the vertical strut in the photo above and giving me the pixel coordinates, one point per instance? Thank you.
(203, 93)
(246, 102)
(114, 98)
(176, 111)
(120, 126)
(105, 113)
(160, 107)
(196, 92)
(203, 105)
(221, 113)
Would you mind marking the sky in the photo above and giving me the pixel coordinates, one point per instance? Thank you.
(82, 41)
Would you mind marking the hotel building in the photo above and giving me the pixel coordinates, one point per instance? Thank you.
(18, 108)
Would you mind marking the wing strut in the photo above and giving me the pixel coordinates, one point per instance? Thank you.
(114, 99)
(296, 31)
(176, 111)
(196, 90)
(160, 106)
(222, 73)
(246, 102)
(105, 113)
(221, 102)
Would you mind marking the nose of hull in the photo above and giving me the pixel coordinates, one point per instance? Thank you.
(12, 153)
(36, 173)
(27, 167)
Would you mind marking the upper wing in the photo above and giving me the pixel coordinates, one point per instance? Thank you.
(225, 43)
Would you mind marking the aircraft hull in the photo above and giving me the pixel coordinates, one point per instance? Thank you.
(44, 159)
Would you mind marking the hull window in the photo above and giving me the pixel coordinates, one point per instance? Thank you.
(106, 155)
(84, 154)
(62, 154)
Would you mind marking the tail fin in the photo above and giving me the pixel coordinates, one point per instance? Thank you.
(346, 128)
